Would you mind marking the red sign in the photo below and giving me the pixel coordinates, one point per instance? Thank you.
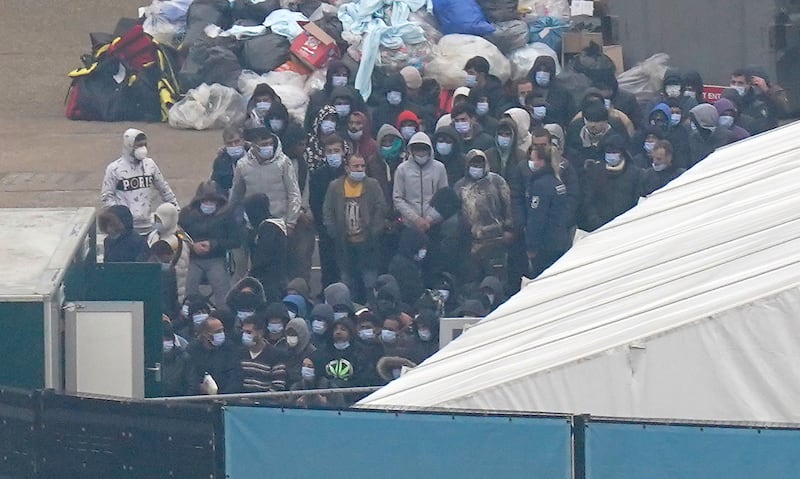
(712, 93)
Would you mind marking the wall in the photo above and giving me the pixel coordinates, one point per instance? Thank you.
(22, 345)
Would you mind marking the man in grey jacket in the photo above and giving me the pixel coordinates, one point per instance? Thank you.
(266, 169)
(416, 181)
(353, 212)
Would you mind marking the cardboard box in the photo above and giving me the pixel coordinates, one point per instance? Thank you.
(314, 47)
(294, 65)
(575, 42)
(614, 52)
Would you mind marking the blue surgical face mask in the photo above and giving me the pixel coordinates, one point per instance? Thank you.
(275, 328)
(276, 124)
(366, 334)
(726, 121)
(208, 208)
(327, 127)
(266, 152)
(242, 315)
(613, 159)
(338, 81)
(218, 338)
(199, 317)
(504, 142)
(388, 336)
(471, 80)
(407, 131)
(167, 346)
(340, 315)
(675, 119)
(334, 160)
(248, 340)
(462, 127)
(660, 167)
(444, 148)
(263, 107)
(235, 152)
(482, 108)
(741, 90)
(342, 110)
(476, 172)
(542, 78)
(539, 112)
(394, 97)
(307, 372)
(355, 135)
(357, 176)
(341, 345)
(318, 327)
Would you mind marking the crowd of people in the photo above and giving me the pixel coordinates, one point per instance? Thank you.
(422, 204)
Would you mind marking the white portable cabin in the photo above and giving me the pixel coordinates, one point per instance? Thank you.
(687, 306)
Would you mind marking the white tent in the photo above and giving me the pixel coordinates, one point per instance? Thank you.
(687, 306)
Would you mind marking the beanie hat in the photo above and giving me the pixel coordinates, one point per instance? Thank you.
(412, 77)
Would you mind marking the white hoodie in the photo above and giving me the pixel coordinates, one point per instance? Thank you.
(129, 182)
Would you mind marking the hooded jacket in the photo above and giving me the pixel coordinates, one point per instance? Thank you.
(275, 177)
(738, 133)
(338, 294)
(126, 246)
(625, 102)
(503, 161)
(415, 185)
(353, 98)
(454, 162)
(485, 204)
(708, 136)
(386, 113)
(255, 120)
(561, 106)
(297, 354)
(406, 268)
(178, 240)
(522, 120)
(366, 146)
(323, 97)
(268, 245)
(218, 228)
(321, 312)
(128, 182)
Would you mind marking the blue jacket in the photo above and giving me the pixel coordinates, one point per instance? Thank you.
(548, 218)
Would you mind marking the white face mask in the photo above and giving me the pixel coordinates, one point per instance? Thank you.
(613, 159)
(660, 167)
(424, 334)
(292, 341)
(199, 318)
(407, 132)
(421, 254)
(476, 172)
(741, 90)
(673, 91)
(445, 294)
(482, 108)
(339, 81)
(355, 135)
(140, 153)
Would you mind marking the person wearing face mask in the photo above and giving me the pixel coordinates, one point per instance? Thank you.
(492, 289)
(391, 103)
(233, 149)
(121, 244)
(692, 90)
(759, 103)
(259, 106)
(340, 360)
(354, 212)
(397, 349)
(297, 306)
(644, 156)
(264, 366)
(407, 124)
(486, 211)
(299, 347)
(246, 296)
(425, 335)
(359, 134)
(662, 126)
(195, 310)
(583, 142)
(406, 265)
(324, 127)
(320, 323)
(278, 120)
(391, 154)
(619, 99)
(728, 117)
(415, 183)
(484, 109)
(336, 152)
(130, 180)
(544, 83)
(706, 135)
(210, 223)
(612, 184)
(368, 328)
(268, 244)
(449, 151)
(472, 135)
(174, 362)
(161, 253)
(213, 353)
(165, 228)
(478, 76)
(277, 317)
(505, 155)
(538, 109)
(266, 169)
(662, 169)
(672, 86)
(338, 75)
(343, 100)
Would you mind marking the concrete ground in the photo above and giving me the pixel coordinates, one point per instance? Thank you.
(47, 160)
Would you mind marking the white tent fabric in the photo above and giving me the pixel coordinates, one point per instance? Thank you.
(687, 307)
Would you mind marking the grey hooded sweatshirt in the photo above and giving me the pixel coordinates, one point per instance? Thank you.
(415, 184)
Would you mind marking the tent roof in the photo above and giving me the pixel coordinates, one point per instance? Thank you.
(723, 235)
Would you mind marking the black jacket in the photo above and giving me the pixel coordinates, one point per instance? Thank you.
(129, 246)
(175, 373)
(222, 363)
(548, 219)
(454, 162)
(608, 193)
(318, 183)
(222, 171)
(219, 228)
(386, 113)
(653, 180)
(560, 105)
(407, 270)
(269, 247)
(703, 142)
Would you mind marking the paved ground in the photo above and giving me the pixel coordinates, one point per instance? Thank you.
(47, 160)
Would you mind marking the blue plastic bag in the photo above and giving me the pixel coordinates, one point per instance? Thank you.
(461, 16)
(548, 30)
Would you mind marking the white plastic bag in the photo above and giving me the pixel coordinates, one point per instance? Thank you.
(645, 79)
(452, 53)
(165, 20)
(544, 8)
(288, 85)
(523, 59)
(316, 81)
(205, 107)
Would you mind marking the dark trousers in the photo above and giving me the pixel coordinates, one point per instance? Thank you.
(327, 258)
(361, 270)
